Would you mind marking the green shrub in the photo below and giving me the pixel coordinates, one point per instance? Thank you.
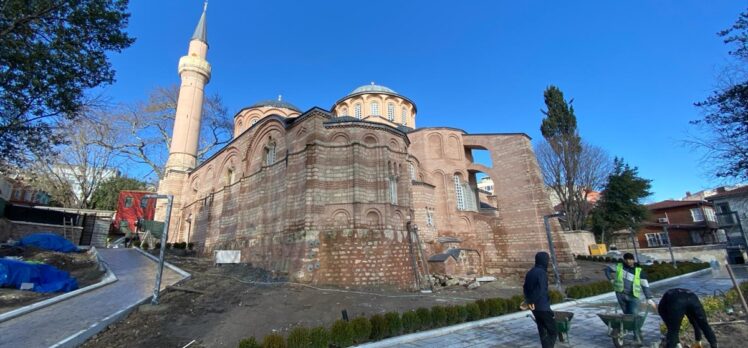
(483, 306)
(144, 246)
(556, 296)
(378, 327)
(394, 324)
(341, 333)
(514, 302)
(298, 337)
(495, 306)
(158, 245)
(319, 337)
(274, 341)
(453, 314)
(168, 245)
(473, 312)
(411, 323)
(424, 318)
(361, 329)
(438, 316)
(249, 342)
(463, 311)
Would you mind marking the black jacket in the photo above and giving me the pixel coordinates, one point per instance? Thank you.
(536, 283)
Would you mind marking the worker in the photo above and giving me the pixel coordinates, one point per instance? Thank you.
(676, 303)
(629, 282)
(538, 301)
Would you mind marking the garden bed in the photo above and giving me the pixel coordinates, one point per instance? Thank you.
(82, 265)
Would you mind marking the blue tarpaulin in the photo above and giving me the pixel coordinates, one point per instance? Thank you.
(45, 278)
(48, 241)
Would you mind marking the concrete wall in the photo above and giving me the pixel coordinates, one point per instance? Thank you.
(579, 241)
(703, 252)
(16, 230)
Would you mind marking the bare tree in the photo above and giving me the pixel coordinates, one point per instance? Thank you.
(594, 166)
(142, 132)
(72, 173)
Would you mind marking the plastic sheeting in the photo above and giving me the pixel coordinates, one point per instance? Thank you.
(42, 278)
(48, 241)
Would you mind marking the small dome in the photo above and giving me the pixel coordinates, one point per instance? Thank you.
(372, 88)
(275, 104)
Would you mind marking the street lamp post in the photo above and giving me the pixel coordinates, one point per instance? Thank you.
(160, 268)
(552, 249)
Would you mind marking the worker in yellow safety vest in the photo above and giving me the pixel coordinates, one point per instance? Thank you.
(629, 282)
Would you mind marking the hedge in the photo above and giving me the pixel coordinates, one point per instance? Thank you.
(379, 326)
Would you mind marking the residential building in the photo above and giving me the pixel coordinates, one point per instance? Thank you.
(680, 223)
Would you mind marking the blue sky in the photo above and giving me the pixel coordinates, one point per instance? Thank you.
(634, 68)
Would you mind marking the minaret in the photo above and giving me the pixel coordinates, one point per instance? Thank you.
(195, 73)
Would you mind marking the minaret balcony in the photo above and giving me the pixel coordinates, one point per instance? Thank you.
(196, 64)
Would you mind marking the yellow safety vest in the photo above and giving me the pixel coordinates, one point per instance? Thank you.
(618, 283)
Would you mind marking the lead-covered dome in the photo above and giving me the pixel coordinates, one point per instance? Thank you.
(377, 103)
(372, 88)
(247, 117)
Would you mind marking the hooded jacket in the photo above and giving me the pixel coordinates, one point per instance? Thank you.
(536, 283)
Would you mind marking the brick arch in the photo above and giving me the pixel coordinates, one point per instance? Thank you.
(398, 220)
(434, 146)
(272, 128)
(230, 160)
(371, 139)
(453, 147)
(341, 217)
(340, 138)
(373, 217)
(394, 145)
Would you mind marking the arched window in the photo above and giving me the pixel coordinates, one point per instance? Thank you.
(375, 108)
(429, 217)
(270, 154)
(460, 195)
(405, 116)
(344, 111)
(357, 111)
(412, 170)
(391, 112)
(230, 177)
(393, 190)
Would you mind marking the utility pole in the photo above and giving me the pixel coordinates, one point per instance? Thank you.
(552, 249)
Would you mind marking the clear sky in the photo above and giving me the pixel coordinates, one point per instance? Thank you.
(634, 68)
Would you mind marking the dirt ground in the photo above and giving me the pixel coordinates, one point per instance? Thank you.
(82, 266)
(730, 334)
(218, 306)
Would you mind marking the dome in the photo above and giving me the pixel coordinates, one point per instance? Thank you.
(276, 104)
(372, 88)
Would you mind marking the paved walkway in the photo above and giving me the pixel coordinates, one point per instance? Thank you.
(587, 330)
(69, 322)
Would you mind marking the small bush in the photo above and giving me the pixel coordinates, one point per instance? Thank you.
(144, 246)
(556, 296)
(190, 245)
(438, 316)
(424, 318)
(298, 338)
(411, 323)
(274, 341)
(378, 327)
(513, 303)
(168, 245)
(319, 337)
(483, 306)
(250, 342)
(361, 329)
(394, 324)
(453, 314)
(473, 312)
(495, 306)
(462, 310)
(341, 333)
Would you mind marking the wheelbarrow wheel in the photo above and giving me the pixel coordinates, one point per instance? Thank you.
(617, 337)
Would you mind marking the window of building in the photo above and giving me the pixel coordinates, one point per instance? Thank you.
(375, 108)
(270, 154)
(429, 217)
(230, 177)
(404, 116)
(344, 112)
(391, 112)
(393, 190)
(697, 214)
(710, 215)
(656, 239)
(460, 196)
(412, 169)
(724, 214)
(357, 111)
(128, 202)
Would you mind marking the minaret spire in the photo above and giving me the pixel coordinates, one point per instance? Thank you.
(201, 31)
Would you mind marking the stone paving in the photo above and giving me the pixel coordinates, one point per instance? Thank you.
(587, 330)
(72, 319)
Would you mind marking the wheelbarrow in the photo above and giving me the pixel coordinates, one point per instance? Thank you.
(563, 324)
(621, 324)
